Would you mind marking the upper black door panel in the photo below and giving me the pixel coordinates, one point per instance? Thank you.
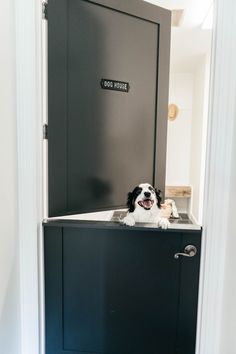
(101, 142)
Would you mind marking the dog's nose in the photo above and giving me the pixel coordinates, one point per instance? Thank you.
(147, 194)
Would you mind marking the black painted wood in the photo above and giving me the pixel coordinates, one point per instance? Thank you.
(53, 289)
(117, 290)
(188, 296)
(102, 143)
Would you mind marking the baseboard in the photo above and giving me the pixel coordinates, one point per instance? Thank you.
(193, 219)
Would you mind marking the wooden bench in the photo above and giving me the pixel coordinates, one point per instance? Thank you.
(178, 192)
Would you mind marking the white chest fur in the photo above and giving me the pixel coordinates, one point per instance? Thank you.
(142, 215)
(146, 216)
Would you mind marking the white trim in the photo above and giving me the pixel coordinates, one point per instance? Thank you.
(204, 135)
(217, 186)
(29, 124)
(194, 220)
(29, 135)
(45, 113)
(44, 180)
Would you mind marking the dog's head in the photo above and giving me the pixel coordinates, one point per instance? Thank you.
(143, 196)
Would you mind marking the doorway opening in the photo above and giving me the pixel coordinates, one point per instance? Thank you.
(190, 62)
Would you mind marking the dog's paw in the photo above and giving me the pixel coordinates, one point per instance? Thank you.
(164, 223)
(128, 220)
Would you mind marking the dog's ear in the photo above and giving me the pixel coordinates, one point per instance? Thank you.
(158, 195)
(130, 202)
(132, 197)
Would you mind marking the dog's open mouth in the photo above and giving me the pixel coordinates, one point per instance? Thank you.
(146, 203)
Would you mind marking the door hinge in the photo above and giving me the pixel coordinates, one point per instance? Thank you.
(45, 10)
(45, 131)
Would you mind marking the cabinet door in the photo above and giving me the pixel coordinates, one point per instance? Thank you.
(113, 290)
(101, 141)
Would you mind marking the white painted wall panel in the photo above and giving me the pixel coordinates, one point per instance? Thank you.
(9, 245)
(179, 131)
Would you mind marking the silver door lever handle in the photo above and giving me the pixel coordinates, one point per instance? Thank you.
(189, 251)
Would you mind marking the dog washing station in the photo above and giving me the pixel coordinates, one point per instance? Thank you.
(110, 288)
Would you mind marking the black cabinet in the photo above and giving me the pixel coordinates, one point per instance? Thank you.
(117, 290)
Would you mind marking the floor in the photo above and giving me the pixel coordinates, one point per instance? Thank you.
(183, 217)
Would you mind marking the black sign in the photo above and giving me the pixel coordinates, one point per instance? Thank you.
(114, 85)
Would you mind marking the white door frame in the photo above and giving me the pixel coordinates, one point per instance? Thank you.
(219, 163)
(30, 172)
(29, 141)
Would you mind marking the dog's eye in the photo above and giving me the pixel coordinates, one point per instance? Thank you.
(137, 191)
(151, 189)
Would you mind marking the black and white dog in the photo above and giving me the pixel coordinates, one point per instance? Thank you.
(144, 205)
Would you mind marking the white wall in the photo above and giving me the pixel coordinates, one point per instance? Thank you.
(186, 137)
(9, 247)
(179, 130)
(198, 136)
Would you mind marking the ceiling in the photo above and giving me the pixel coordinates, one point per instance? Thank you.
(194, 10)
(189, 42)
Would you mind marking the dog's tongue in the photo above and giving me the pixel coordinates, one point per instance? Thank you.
(146, 203)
